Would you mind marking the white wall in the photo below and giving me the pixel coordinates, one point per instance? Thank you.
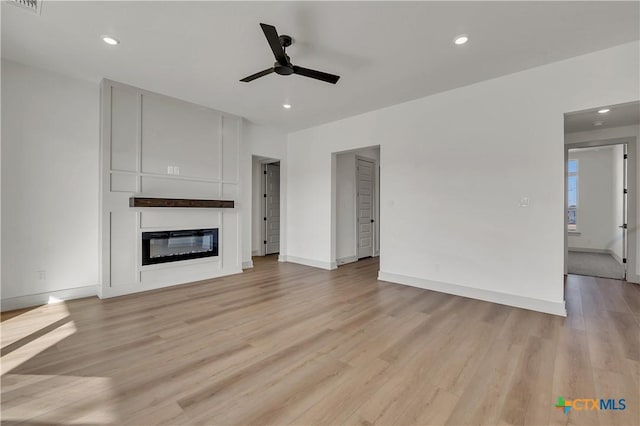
(50, 186)
(597, 194)
(346, 227)
(266, 142)
(623, 132)
(454, 168)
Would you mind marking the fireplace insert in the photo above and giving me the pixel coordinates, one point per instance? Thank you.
(173, 246)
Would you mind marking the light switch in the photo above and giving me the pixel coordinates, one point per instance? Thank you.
(176, 170)
(524, 202)
(170, 170)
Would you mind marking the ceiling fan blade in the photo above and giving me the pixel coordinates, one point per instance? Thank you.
(257, 75)
(274, 41)
(318, 75)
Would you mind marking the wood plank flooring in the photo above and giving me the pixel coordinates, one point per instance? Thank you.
(287, 344)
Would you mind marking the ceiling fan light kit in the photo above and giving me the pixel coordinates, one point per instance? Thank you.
(283, 65)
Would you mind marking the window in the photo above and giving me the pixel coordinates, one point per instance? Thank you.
(572, 195)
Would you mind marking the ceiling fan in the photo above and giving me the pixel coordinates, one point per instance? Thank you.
(283, 65)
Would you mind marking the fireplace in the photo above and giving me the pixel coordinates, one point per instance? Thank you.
(173, 246)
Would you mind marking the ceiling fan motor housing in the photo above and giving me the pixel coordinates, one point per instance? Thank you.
(283, 69)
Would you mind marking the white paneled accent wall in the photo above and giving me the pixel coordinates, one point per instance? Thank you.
(157, 146)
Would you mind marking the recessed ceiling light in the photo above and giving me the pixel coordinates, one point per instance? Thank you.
(461, 39)
(603, 111)
(110, 40)
(598, 123)
(286, 106)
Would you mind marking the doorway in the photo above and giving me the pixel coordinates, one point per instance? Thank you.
(601, 191)
(265, 206)
(356, 205)
(365, 186)
(271, 207)
(596, 211)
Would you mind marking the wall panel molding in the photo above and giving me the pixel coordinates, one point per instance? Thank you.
(157, 146)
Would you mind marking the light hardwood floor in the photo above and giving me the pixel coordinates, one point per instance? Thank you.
(288, 344)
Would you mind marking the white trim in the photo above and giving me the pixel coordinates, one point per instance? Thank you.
(247, 265)
(540, 305)
(11, 303)
(633, 278)
(615, 256)
(214, 260)
(123, 290)
(308, 262)
(589, 250)
(256, 253)
(346, 259)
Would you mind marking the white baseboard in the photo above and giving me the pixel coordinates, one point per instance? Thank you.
(346, 259)
(256, 253)
(540, 305)
(589, 250)
(308, 262)
(247, 265)
(615, 256)
(633, 278)
(122, 290)
(11, 303)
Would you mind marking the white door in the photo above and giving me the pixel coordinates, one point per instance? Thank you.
(272, 208)
(364, 202)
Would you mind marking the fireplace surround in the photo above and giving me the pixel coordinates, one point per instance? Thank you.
(173, 246)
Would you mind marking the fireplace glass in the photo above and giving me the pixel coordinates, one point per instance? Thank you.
(172, 246)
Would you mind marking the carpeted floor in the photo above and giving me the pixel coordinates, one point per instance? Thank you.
(594, 265)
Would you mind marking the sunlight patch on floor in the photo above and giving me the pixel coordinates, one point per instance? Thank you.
(37, 398)
(31, 322)
(31, 349)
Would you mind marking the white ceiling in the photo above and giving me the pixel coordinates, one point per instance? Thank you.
(618, 115)
(386, 52)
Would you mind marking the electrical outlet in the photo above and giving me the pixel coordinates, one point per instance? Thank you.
(170, 170)
(42, 275)
(524, 202)
(176, 170)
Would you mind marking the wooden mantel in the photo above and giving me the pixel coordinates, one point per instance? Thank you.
(179, 202)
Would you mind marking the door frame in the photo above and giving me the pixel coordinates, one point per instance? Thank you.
(374, 234)
(263, 204)
(333, 264)
(631, 143)
(255, 209)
